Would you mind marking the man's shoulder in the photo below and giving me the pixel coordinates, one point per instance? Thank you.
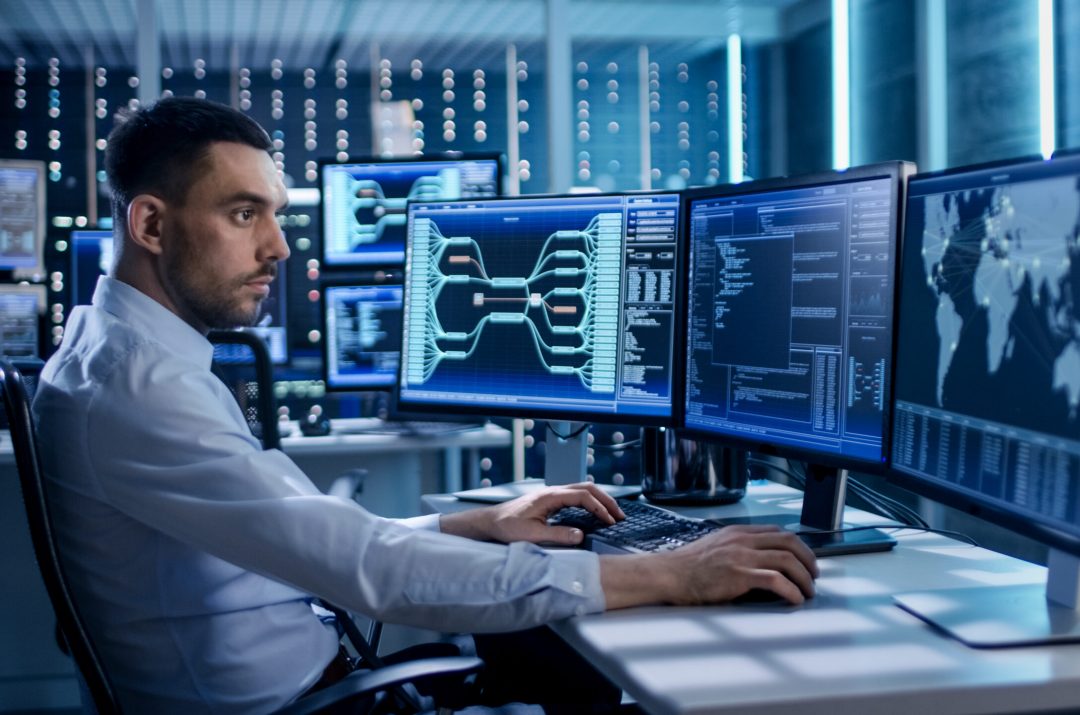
(98, 345)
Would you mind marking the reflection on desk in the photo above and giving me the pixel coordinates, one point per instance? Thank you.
(849, 649)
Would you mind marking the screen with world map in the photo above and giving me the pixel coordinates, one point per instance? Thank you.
(987, 382)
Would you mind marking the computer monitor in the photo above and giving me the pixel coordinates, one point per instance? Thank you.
(363, 201)
(21, 308)
(789, 327)
(22, 217)
(555, 307)
(987, 398)
(91, 257)
(362, 332)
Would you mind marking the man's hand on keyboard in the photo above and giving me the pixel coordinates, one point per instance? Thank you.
(525, 518)
(717, 568)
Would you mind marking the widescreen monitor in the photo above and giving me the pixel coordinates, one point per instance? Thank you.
(364, 200)
(556, 307)
(362, 333)
(22, 216)
(789, 317)
(987, 397)
(91, 257)
(21, 307)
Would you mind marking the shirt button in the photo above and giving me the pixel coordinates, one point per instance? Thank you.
(500, 592)
(577, 587)
(580, 610)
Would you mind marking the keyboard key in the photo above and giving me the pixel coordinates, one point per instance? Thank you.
(646, 528)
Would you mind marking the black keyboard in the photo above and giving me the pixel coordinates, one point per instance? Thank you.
(645, 528)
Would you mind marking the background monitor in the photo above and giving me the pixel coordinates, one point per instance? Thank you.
(364, 200)
(555, 307)
(22, 216)
(987, 398)
(91, 257)
(789, 320)
(21, 308)
(362, 333)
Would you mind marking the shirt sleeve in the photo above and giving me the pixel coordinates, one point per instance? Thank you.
(171, 450)
(427, 522)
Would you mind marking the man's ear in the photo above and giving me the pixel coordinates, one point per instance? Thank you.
(145, 216)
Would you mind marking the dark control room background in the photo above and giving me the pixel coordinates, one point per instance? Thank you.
(575, 94)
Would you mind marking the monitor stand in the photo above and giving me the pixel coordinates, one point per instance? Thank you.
(566, 453)
(1007, 616)
(566, 458)
(823, 511)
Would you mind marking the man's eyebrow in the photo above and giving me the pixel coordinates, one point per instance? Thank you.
(246, 197)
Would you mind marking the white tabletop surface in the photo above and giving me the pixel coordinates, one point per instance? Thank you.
(849, 650)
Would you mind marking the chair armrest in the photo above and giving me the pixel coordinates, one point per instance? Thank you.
(366, 682)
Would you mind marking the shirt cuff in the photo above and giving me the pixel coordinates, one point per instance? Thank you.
(427, 522)
(577, 572)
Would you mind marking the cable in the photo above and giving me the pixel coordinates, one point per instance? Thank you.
(572, 435)
(801, 481)
(909, 515)
(619, 446)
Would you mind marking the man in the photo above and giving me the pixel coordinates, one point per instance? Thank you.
(192, 553)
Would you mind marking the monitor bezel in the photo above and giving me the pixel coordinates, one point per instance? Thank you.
(361, 279)
(551, 415)
(331, 266)
(973, 503)
(36, 270)
(898, 172)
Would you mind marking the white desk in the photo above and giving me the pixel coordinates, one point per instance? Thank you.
(849, 650)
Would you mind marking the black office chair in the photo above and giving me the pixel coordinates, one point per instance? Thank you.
(17, 385)
(242, 361)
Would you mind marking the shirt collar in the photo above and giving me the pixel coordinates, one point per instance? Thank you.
(148, 317)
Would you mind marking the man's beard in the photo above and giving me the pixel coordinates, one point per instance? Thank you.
(216, 303)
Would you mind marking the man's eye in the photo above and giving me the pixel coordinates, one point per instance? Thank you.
(246, 215)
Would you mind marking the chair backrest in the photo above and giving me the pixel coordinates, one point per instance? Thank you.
(242, 361)
(18, 382)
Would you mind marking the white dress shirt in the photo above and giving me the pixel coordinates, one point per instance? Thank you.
(192, 553)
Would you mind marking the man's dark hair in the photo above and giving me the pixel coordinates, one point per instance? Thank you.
(158, 149)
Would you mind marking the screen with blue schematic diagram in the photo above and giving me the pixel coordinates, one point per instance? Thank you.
(364, 202)
(542, 306)
(790, 315)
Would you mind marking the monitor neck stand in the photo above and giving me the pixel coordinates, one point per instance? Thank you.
(566, 453)
(823, 511)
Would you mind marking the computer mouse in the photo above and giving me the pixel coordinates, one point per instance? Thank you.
(759, 596)
(315, 426)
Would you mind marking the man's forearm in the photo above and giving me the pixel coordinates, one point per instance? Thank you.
(637, 580)
(472, 524)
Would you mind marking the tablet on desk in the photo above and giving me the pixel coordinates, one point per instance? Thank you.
(512, 490)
